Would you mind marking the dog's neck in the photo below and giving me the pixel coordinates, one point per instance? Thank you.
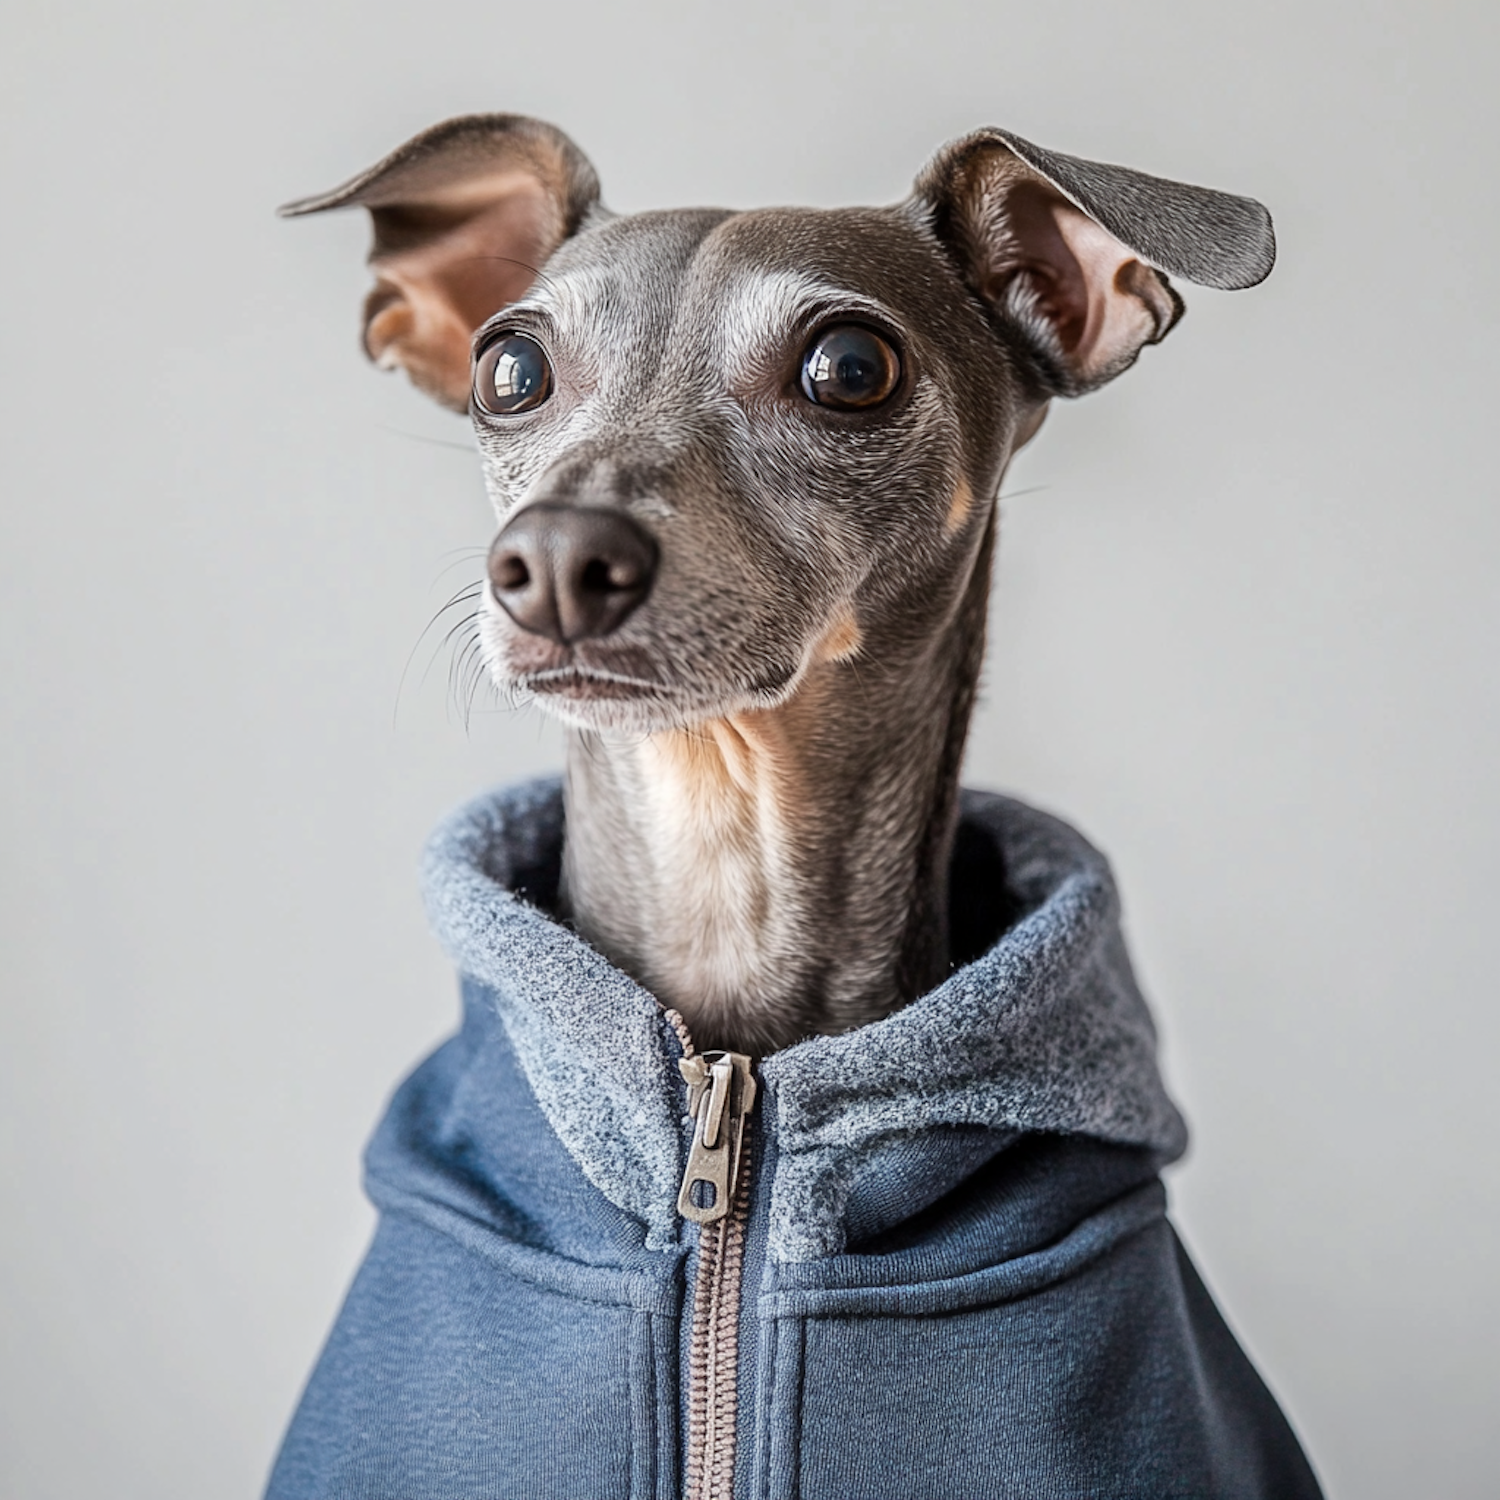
(781, 873)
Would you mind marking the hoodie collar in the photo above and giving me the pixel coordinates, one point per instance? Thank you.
(1045, 1031)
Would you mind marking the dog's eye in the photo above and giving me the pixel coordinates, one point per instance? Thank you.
(850, 368)
(512, 375)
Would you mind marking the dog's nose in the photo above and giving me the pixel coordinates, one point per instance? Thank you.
(570, 572)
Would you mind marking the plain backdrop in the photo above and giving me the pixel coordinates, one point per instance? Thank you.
(1244, 636)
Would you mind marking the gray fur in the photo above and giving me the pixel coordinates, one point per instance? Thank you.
(763, 758)
(1047, 1031)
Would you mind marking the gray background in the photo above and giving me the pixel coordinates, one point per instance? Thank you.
(1243, 636)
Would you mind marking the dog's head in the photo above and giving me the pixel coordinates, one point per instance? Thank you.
(727, 447)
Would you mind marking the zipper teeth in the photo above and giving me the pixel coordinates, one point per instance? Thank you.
(713, 1357)
(684, 1036)
(714, 1362)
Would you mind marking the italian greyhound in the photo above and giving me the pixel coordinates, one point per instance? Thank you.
(746, 466)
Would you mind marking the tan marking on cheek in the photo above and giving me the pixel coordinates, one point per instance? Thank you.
(959, 508)
(841, 640)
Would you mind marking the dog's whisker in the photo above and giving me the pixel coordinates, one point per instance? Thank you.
(454, 632)
(468, 620)
(464, 595)
(420, 437)
(484, 686)
(462, 556)
(478, 677)
(508, 260)
(460, 672)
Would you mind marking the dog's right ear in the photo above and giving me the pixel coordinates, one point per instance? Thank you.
(1072, 256)
(465, 216)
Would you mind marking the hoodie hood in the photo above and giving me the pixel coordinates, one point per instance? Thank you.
(1045, 1031)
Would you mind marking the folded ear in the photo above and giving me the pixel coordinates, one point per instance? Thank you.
(465, 215)
(1071, 254)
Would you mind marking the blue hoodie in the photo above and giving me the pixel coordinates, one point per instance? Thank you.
(935, 1262)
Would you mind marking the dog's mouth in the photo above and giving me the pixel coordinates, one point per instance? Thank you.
(625, 684)
(583, 672)
(584, 684)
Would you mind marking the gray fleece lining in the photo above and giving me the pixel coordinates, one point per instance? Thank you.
(1046, 1032)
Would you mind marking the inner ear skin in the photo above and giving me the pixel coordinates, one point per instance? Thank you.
(1086, 301)
(442, 270)
(1043, 255)
(1075, 302)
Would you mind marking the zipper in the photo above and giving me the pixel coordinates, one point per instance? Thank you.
(715, 1195)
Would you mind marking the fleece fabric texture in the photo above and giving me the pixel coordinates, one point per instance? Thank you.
(960, 1280)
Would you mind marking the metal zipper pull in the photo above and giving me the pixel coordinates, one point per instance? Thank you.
(721, 1094)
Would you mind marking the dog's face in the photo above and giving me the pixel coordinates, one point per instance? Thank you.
(725, 448)
(803, 412)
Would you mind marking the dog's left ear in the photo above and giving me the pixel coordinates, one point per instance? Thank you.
(465, 215)
(1070, 254)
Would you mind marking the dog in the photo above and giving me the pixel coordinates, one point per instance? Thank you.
(746, 468)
